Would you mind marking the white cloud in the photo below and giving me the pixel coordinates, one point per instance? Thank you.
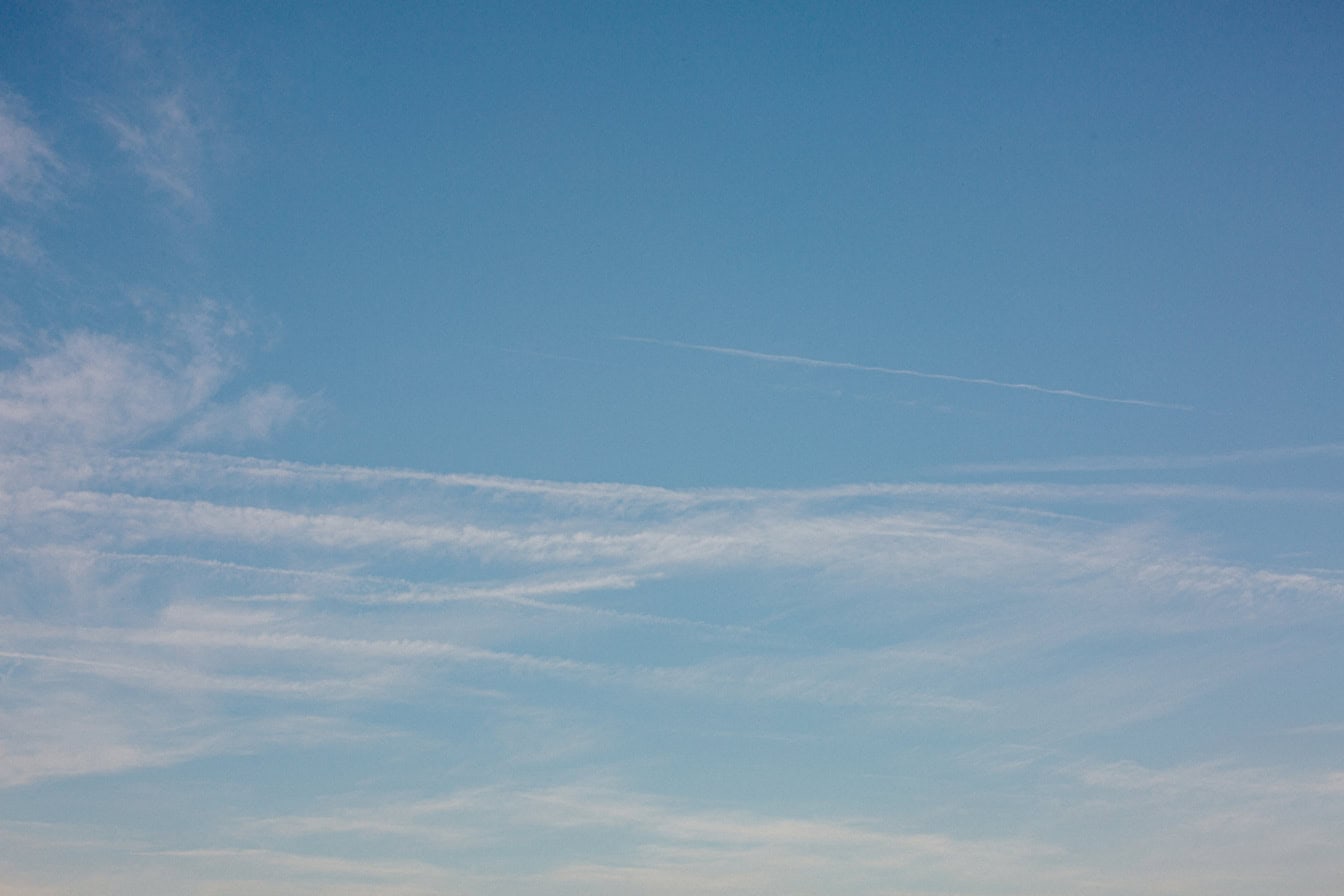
(18, 244)
(77, 718)
(27, 162)
(89, 389)
(312, 864)
(93, 388)
(1219, 826)
(254, 416)
(1212, 780)
(166, 142)
(622, 499)
(67, 732)
(1108, 463)
(626, 841)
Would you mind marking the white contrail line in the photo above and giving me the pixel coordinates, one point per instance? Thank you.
(897, 371)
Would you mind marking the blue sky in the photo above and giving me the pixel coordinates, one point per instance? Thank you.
(553, 449)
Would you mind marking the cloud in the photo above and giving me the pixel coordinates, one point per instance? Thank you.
(894, 371)
(69, 733)
(96, 389)
(312, 864)
(93, 388)
(185, 679)
(27, 162)
(623, 840)
(1211, 779)
(20, 245)
(624, 499)
(257, 415)
(80, 718)
(1221, 826)
(166, 142)
(1108, 463)
(164, 605)
(781, 532)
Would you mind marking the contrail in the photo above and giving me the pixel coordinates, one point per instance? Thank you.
(896, 371)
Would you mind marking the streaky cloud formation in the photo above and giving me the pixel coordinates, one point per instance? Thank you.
(1158, 462)
(153, 592)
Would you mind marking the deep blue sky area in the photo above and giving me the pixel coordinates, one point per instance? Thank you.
(1123, 200)
(1137, 200)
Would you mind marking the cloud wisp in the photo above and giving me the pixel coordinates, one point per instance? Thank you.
(89, 388)
(1115, 463)
(27, 161)
(799, 361)
(166, 145)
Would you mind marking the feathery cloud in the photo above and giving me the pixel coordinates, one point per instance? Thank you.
(166, 144)
(27, 162)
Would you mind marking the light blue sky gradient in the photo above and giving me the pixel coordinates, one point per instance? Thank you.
(545, 449)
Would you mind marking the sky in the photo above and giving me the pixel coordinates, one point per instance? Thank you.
(532, 449)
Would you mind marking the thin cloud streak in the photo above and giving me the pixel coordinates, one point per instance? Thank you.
(1111, 463)
(897, 371)
(153, 467)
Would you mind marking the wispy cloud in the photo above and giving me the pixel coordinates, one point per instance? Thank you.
(311, 864)
(157, 101)
(656, 845)
(896, 371)
(96, 388)
(165, 141)
(27, 161)
(255, 416)
(621, 500)
(1107, 463)
(19, 244)
(91, 388)
(1219, 779)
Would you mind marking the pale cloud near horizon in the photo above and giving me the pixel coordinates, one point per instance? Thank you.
(620, 838)
(151, 591)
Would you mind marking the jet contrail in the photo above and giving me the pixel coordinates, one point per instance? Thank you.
(896, 371)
